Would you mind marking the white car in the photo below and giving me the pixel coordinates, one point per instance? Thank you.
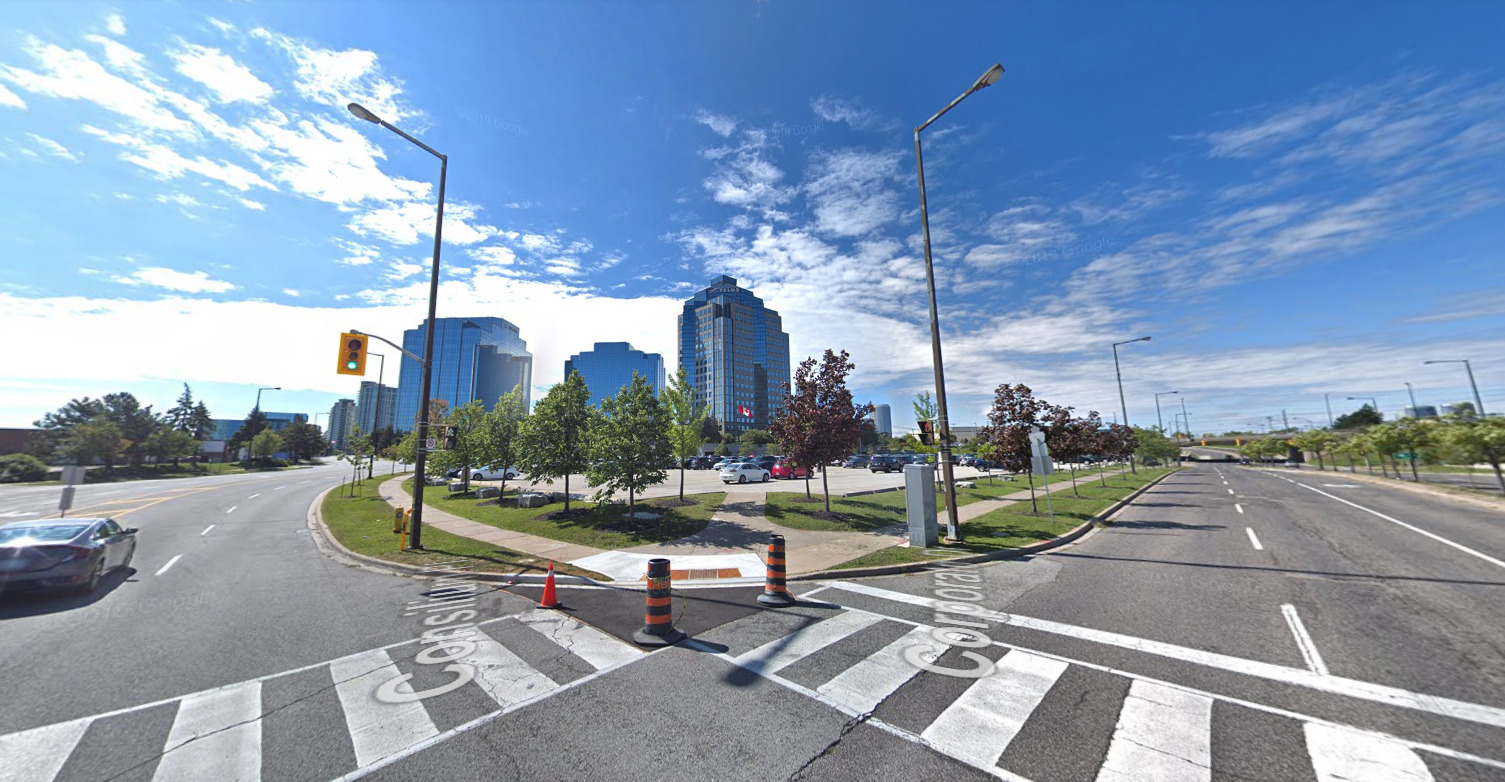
(742, 472)
(494, 473)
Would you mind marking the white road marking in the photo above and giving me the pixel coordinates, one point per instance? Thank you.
(863, 686)
(377, 729)
(232, 508)
(1253, 539)
(1163, 733)
(1340, 755)
(1230, 491)
(978, 726)
(39, 753)
(586, 642)
(206, 530)
(280, 488)
(1353, 688)
(14, 514)
(507, 678)
(1341, 485)
(1433, 536)
(254, 496)
(1304, 640)
(169, 564)
(776, 654)
(1225, 483)
(1238, 507)
(216, 735)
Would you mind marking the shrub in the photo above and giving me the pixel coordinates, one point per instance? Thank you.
(18, 467)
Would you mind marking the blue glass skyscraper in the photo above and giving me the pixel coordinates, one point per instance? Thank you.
(474, 358)
(609, 366)
(736, 354)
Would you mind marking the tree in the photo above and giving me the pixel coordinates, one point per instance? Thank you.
(180, 416)
(203, 423)
(629, 443)
(499, 432)
(265, 443)
(868, 436)
(819, 422)
(710, 430)
(1358, 419)
(407, 448)
(554, 439)
(749, 440)
(1464, 410)
(1154, 445)
(1316, 441)
(1479, 440)
(99, 439)
(303, 440)
(723, 450)
(1119, 442)
(56, 426)
(136, 422)
(470, 449)
(169, 443)
(686, 421)
(252, 426)
(1403, 436)
(924, 407)
(1015, 411)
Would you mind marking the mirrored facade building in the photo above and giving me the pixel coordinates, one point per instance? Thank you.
(736, 354)
(474, 358)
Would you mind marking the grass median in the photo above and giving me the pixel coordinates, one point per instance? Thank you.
(363, 524)
(1015, 525)
(588, 524)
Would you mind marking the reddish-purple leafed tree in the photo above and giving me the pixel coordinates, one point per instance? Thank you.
(1015, 411)
(820, 423)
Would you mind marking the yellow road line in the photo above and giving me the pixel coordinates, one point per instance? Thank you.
(104, 506)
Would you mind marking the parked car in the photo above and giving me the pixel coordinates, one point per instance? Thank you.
(744, 472)
(1293, 464)
(859, 460)
(886, 463)
(784, 468)
(72, 554)
(722, 463)
(494, 473)
(766, 462)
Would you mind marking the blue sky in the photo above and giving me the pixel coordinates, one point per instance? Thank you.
(1293, 199)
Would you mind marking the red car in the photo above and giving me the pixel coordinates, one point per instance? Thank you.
(783, 469)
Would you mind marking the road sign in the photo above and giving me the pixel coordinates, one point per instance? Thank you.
(1408, 455)
(429, 444)
(73, 475)
(66, 502)
(1039, 453)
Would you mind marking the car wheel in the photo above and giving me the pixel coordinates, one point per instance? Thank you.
(125, 563)
(741, 479)
(92, 584)
(765, 477)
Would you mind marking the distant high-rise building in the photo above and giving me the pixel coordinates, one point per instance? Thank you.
(1423, 411)
(474, 358)
(883, 420)
(375, 406)
(609, 366)
(736, 354)
(341, 422)
(225, 428)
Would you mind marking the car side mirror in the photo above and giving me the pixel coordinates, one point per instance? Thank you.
(130, 530)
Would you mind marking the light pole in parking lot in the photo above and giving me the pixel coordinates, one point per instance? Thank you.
(1411, 392)
(1123, 405)
(416, 539)
(1186, 418)
(943, 430)
(1158, 420)
(1478, 400)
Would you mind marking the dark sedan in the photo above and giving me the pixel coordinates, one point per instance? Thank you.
(71, 554)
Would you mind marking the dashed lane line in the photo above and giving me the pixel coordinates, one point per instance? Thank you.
(169, 564)
(1254, 540)
(206, 530)
(1238, 507)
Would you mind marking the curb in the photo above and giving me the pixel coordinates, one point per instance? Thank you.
(1103, 518)
(325, 541)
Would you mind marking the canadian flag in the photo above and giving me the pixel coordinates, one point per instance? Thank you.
(744, 411)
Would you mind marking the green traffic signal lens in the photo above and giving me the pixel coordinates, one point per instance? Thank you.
(351, 364)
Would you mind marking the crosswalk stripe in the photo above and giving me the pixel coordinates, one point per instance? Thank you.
(215, 735)
(377, 729)
(863, 686)
(979, 725)
(503, 675)
(586, 642)
(37, 755)
(777, 654)
(1340, 755)
(1163, 733)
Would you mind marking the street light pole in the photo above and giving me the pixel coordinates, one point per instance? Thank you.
(1327, 400)
(1415, 412)
(1158, 420)
(416, 539)
(1122, 404)
(1186, 419)
(1478, 400)
(991, 76)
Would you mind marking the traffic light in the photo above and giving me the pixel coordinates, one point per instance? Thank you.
(927, 433)
(451, 437)
(352, 359)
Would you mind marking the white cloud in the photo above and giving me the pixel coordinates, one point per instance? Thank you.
(179, 199)
(249, 204)
(115, 23)
(53, 148)
(333, 163)
(70, 74)
(335, 78)
(229, 80)
(221, 25)
(291, 292)
(357, 254)
(184, 282)
(405, 223)
(832, 109)
(493, 255)
(849, 191)
(721, 124)
(8, 98)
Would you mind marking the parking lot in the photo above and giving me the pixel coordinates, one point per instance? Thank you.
(840, 479)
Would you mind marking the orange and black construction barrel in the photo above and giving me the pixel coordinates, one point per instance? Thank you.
(775, 591)
(658, 620)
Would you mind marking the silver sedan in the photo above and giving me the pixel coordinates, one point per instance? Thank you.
(71, 554)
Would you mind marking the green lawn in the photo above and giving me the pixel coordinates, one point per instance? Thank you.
(363, 524)
(1014, 525)
(602, 526)
(856, 514)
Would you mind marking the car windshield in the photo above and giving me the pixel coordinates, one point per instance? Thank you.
(49, 534)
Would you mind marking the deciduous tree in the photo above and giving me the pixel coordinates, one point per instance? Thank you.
(554, 439)
(686, 421)
(629, 443)
(499, 432)
(99, 439)
(1015, 411)
(820, 423)
(265, 443)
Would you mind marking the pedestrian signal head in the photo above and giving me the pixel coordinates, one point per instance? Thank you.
(352, 358)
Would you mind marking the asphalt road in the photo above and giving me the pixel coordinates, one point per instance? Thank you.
(1169, 646)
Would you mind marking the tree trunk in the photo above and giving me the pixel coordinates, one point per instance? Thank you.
(1494, 461)
(807, 482)
(1351, 468)
(1415, 478)
(825, 487)
(1320, 466)
(681, 480)
(1073, 481)
(1102, 476)
(631, 503)
(566, 492)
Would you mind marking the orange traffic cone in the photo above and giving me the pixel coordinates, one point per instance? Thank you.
(549, 600)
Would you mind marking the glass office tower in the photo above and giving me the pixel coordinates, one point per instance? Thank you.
(474, 358)
(375, 406)
(609, 366)
(736, 354)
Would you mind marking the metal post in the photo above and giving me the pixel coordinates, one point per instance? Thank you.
(1124, 405)
(1327, 400)
(1159, 421)
(1478, 400)
(428, 370)
(1285, 420)
(935, 350)
(1186, 416)
(1415, 413)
